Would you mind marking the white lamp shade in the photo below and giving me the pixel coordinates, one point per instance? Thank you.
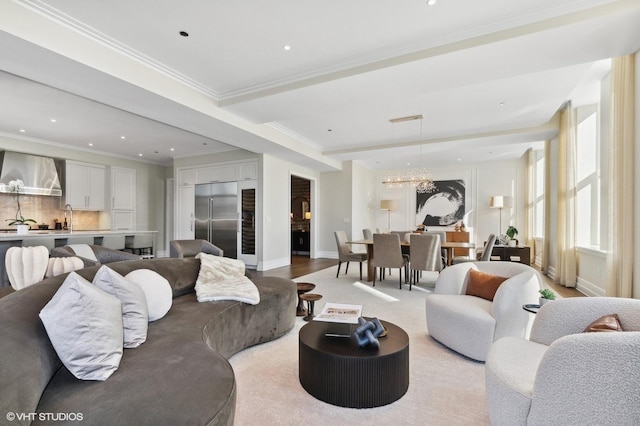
(500, 201)
(387, 204)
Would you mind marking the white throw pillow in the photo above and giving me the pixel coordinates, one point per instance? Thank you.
(62, 265)
(156, 289)
(84, 325)
(135, 314)
(221, 278)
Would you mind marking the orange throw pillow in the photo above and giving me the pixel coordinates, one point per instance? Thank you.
(483, 285)
(604, 323)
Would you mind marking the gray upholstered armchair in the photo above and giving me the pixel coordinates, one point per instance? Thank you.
(190, 248)
(563, 376)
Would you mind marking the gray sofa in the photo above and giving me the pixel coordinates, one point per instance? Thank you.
(180, 375)
(103, 254)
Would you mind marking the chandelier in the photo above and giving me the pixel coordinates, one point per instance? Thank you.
(418, 178)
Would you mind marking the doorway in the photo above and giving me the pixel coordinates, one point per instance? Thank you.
(300, 216)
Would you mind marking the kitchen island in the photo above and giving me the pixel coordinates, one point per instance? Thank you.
(58, 238)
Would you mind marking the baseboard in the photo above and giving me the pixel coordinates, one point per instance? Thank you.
(588, 288)
(272, 264)
(326, 255)
(551, 273)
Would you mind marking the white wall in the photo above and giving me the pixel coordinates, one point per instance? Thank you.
(363, 201)
(276, 205)
(335, 209)
(636, 263)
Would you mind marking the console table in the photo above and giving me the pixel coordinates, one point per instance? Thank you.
(506, 253)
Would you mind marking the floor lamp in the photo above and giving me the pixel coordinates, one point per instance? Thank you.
(388, 205)
(500, 202)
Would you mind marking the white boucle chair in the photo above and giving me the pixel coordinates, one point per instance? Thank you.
(563, 376)
(470, 324)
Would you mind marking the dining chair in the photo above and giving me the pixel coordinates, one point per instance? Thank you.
(443, 239)
(346, 255)
(367, 234)
(486, 252)
(426, 255)
(387, 254)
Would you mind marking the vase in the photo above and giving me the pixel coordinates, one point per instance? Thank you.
(22, 229)
(542, 301)
(512, 243)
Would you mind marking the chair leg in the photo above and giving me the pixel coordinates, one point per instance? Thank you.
(346, 270)
(338, 273)
(360, 271)
(374, 276)
(400, 277)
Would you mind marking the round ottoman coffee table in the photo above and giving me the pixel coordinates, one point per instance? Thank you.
(335, 370)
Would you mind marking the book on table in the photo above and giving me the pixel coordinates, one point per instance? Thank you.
(340, 313)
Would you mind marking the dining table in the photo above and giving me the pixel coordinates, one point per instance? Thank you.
(450, 246)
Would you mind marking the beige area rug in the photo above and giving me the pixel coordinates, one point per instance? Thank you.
(445, 388)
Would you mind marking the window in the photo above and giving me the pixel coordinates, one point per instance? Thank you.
(587, 178)
(538, 195)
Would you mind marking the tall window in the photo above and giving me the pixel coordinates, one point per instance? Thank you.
(587, 178)
(538, 195)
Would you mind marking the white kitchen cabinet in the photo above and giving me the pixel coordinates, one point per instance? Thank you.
(217, 174)
(185, 213)
(123, 220)
(123, 188)
(84, 186)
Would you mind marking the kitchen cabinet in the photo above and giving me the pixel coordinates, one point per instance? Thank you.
(84, 186)
(123, 188)
(185, 212)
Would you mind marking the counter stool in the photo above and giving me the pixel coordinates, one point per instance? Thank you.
(310, 298)
(303, 288)
(140, 244)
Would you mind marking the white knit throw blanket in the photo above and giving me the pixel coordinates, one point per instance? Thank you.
(222, 278)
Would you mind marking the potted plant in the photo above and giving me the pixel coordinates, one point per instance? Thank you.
(546, 295)
(512, 232)
(19, 221)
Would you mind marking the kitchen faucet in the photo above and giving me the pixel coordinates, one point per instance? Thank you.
(71, 216)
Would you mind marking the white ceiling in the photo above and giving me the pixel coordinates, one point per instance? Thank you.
(487, 76)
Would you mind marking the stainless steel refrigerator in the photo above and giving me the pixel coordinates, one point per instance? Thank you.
(217, 215)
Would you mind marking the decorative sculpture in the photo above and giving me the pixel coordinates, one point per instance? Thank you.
(368, 332)
(26, 265)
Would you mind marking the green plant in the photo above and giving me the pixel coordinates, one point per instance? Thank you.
(512, 232)
(545, 293)
(21, 221)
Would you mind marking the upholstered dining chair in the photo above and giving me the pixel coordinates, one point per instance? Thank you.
(345, 254)
(425, 254)
(443, 239)
(387, 254)
(484, 257)
(367, 234)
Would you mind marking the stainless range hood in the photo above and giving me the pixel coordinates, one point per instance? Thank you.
(39, 174)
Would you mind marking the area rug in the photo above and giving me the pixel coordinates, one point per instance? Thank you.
(445, 388)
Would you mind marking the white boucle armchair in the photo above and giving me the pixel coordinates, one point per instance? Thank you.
(563, 376)
(470, 324)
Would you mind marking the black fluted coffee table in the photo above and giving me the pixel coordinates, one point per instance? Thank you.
(335, 370)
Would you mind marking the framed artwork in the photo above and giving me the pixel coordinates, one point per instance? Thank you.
(445, 206)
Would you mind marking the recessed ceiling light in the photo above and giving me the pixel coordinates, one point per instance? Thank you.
(329, 130)
(53, 120)
(90, 144)
(459, 159)
(22, 131)
(184, 34)
(501, 104)
(123, 137)
(172, 149)
(140, 155)
(286, 47)
(431, 2)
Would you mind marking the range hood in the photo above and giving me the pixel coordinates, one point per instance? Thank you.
(39, 174)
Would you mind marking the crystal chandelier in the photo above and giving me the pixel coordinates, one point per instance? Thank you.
(418, 178)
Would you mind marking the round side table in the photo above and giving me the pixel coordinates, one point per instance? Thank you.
(310, 298)
(303, 288)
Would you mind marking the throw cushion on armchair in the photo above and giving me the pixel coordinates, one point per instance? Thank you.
(604, 323)
(484, 285)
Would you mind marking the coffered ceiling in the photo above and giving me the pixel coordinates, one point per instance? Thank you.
(312, 82)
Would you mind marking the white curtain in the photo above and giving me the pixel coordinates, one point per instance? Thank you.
(621, 179)
(546, 242)
(566, 269)
(530, 197)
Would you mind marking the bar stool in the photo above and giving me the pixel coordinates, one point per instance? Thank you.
(141, 244)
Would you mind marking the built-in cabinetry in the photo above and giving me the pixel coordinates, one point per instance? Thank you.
(84, 186)
(245, 173)
(123, 198)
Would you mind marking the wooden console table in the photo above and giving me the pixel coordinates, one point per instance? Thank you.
(511, 254)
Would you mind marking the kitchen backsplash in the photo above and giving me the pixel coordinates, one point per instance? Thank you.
(44, 210)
